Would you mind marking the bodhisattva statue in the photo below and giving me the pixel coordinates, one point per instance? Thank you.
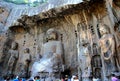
(107, 45)
(25, 61)
(13, 58)
(51, 53)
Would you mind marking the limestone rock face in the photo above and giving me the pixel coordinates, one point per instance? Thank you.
(16, 11)
(79, 32)
(2, 40)
(4, 13)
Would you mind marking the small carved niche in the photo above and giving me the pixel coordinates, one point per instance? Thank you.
(98, 30)
(92, 30)
(61, 37)
(76, 33)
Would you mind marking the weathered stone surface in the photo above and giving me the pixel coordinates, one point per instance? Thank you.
(77, 24)
(4, 13)
(24, 63)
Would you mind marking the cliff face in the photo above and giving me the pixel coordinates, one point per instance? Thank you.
(16, 11)
(78, 25)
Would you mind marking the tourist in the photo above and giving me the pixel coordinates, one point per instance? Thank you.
(114, 78)
(69, 78)
(61, 79)
(95, 79)
(20, 79)
(72, 79)
(37, 78)
(7, 78)
(66, 77)
(16, 79)
(119, 78)
(76, 78)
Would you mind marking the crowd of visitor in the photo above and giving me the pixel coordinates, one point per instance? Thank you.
(37, 78)
(65, 78)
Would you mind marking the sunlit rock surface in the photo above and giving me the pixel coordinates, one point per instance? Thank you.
(79, 29)
(18, 10)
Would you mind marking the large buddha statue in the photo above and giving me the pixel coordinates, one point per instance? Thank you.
(51, 53)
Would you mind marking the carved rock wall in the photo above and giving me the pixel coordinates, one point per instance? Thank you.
(36, 37)
(75, 30)
(4, 13)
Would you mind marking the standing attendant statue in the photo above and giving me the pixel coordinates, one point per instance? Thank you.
(107, 45)
(85, 62)
(14, 55)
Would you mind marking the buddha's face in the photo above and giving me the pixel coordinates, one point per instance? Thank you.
(14, 45)
(52, 35)
(103, 30)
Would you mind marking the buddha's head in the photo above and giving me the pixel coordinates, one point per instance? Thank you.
(104, 29)
(52, 34)
(14, 45)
